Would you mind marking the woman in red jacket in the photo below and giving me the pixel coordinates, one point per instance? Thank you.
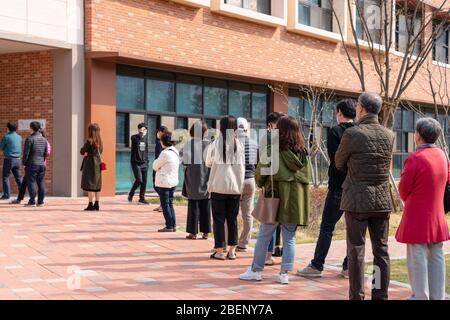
(424, 227)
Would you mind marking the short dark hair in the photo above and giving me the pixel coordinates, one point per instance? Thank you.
(142, 125)
(347, 107)
(198, 125)
(35, 126)
(166, 139)
(429, 129)
(162, 129)
(11, 126)
(371, 102)
(273, 117)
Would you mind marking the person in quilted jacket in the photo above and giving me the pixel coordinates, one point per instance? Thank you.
(365, 153)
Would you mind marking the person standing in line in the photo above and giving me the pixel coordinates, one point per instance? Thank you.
(34, 156)
(226, 158)
(24, 184)
(91, 178)
(332, 213)
(290, 183)
(158, 150)
(365, 152)
(275, 249)
(11, 145)
(139, 163)
(166, 179)
(248, 193)
(195, 187)
(423, 227)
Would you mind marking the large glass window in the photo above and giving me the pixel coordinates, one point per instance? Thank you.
(176, 101)
(407, 25)
(239, 100)
(370, 10)
(215, 97)
(189, 95)
(316, 13)
(441, 45)
(129, 92)
(261, 6)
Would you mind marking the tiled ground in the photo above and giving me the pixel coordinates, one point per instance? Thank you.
(62, 252)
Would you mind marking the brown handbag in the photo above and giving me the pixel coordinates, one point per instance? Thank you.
(266, 209)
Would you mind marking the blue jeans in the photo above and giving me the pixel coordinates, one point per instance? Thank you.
(331, 215)
(36, 175)
(265, 235)
(10, 165)
(166, 199)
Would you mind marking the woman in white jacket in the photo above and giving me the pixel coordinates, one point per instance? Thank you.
(166, 179)
(226, 158)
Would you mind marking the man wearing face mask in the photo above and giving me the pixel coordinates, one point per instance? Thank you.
(139, 163)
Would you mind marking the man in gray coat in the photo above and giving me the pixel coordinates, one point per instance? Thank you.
(365, 153)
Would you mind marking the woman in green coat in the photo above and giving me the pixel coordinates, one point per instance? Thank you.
(291, 185)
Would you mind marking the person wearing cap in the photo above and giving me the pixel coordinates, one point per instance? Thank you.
(248, 193)
(139, 163)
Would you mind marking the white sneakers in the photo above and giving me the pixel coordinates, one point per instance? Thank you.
(251, 275)
(283, 278)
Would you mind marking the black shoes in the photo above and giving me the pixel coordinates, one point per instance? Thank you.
(278, 252)
(96, 206)
(93, 206)
(130, 198)
(143, 202)
(4, 197)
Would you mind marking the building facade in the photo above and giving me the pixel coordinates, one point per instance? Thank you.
(169, 62)
(42, 78)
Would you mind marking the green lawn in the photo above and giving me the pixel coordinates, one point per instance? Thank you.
(399, 271)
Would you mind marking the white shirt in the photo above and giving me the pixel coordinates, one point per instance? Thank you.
(166, 167)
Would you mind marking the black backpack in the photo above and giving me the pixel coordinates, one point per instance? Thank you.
(447, 198)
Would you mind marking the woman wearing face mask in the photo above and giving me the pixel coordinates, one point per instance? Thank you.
(139, 163)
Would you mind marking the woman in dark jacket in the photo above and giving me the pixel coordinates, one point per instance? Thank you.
(91, 178)
(195, 186)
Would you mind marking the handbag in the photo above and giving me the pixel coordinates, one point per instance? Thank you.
(102, 164)
(266, 209)
(447, 198)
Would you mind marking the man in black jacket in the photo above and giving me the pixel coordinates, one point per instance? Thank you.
(345, 113)
(139, 163)
(34, 155)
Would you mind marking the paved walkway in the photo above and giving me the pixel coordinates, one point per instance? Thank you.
(61, 252)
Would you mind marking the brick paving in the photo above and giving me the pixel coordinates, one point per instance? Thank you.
(62, 252)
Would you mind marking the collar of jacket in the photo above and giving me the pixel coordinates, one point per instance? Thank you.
(369, 118)
(425, 145)
(293, 161)
(37, 133)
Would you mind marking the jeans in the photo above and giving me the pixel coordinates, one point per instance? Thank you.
(426, 270)
(378, 225)
(36, 175)
(225, 209)
(331, 215)
(166, 199)
(247, 198)
(140, 176)
(266, 232)
(272, 243)
(10, 165)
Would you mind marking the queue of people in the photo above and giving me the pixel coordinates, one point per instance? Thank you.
(221, 176)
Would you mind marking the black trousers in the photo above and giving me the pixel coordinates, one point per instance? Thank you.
(225, 209)
(23, 188)
(140, 176)
(199, 212)
(378, 225)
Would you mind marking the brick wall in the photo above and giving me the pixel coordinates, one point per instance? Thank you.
(164, 31)
(26, 92)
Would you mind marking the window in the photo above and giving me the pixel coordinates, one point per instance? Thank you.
(189, 95)
(370, 10)
(407, 25)
(129, 92)
(441, 45)
(316, 13)
(261, 6)
(215, 97)
(404, 127)
(176, 101)
(239, 100)
(259, 102)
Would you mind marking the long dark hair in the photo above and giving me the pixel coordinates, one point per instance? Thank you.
(227, 124)
(290, 135)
